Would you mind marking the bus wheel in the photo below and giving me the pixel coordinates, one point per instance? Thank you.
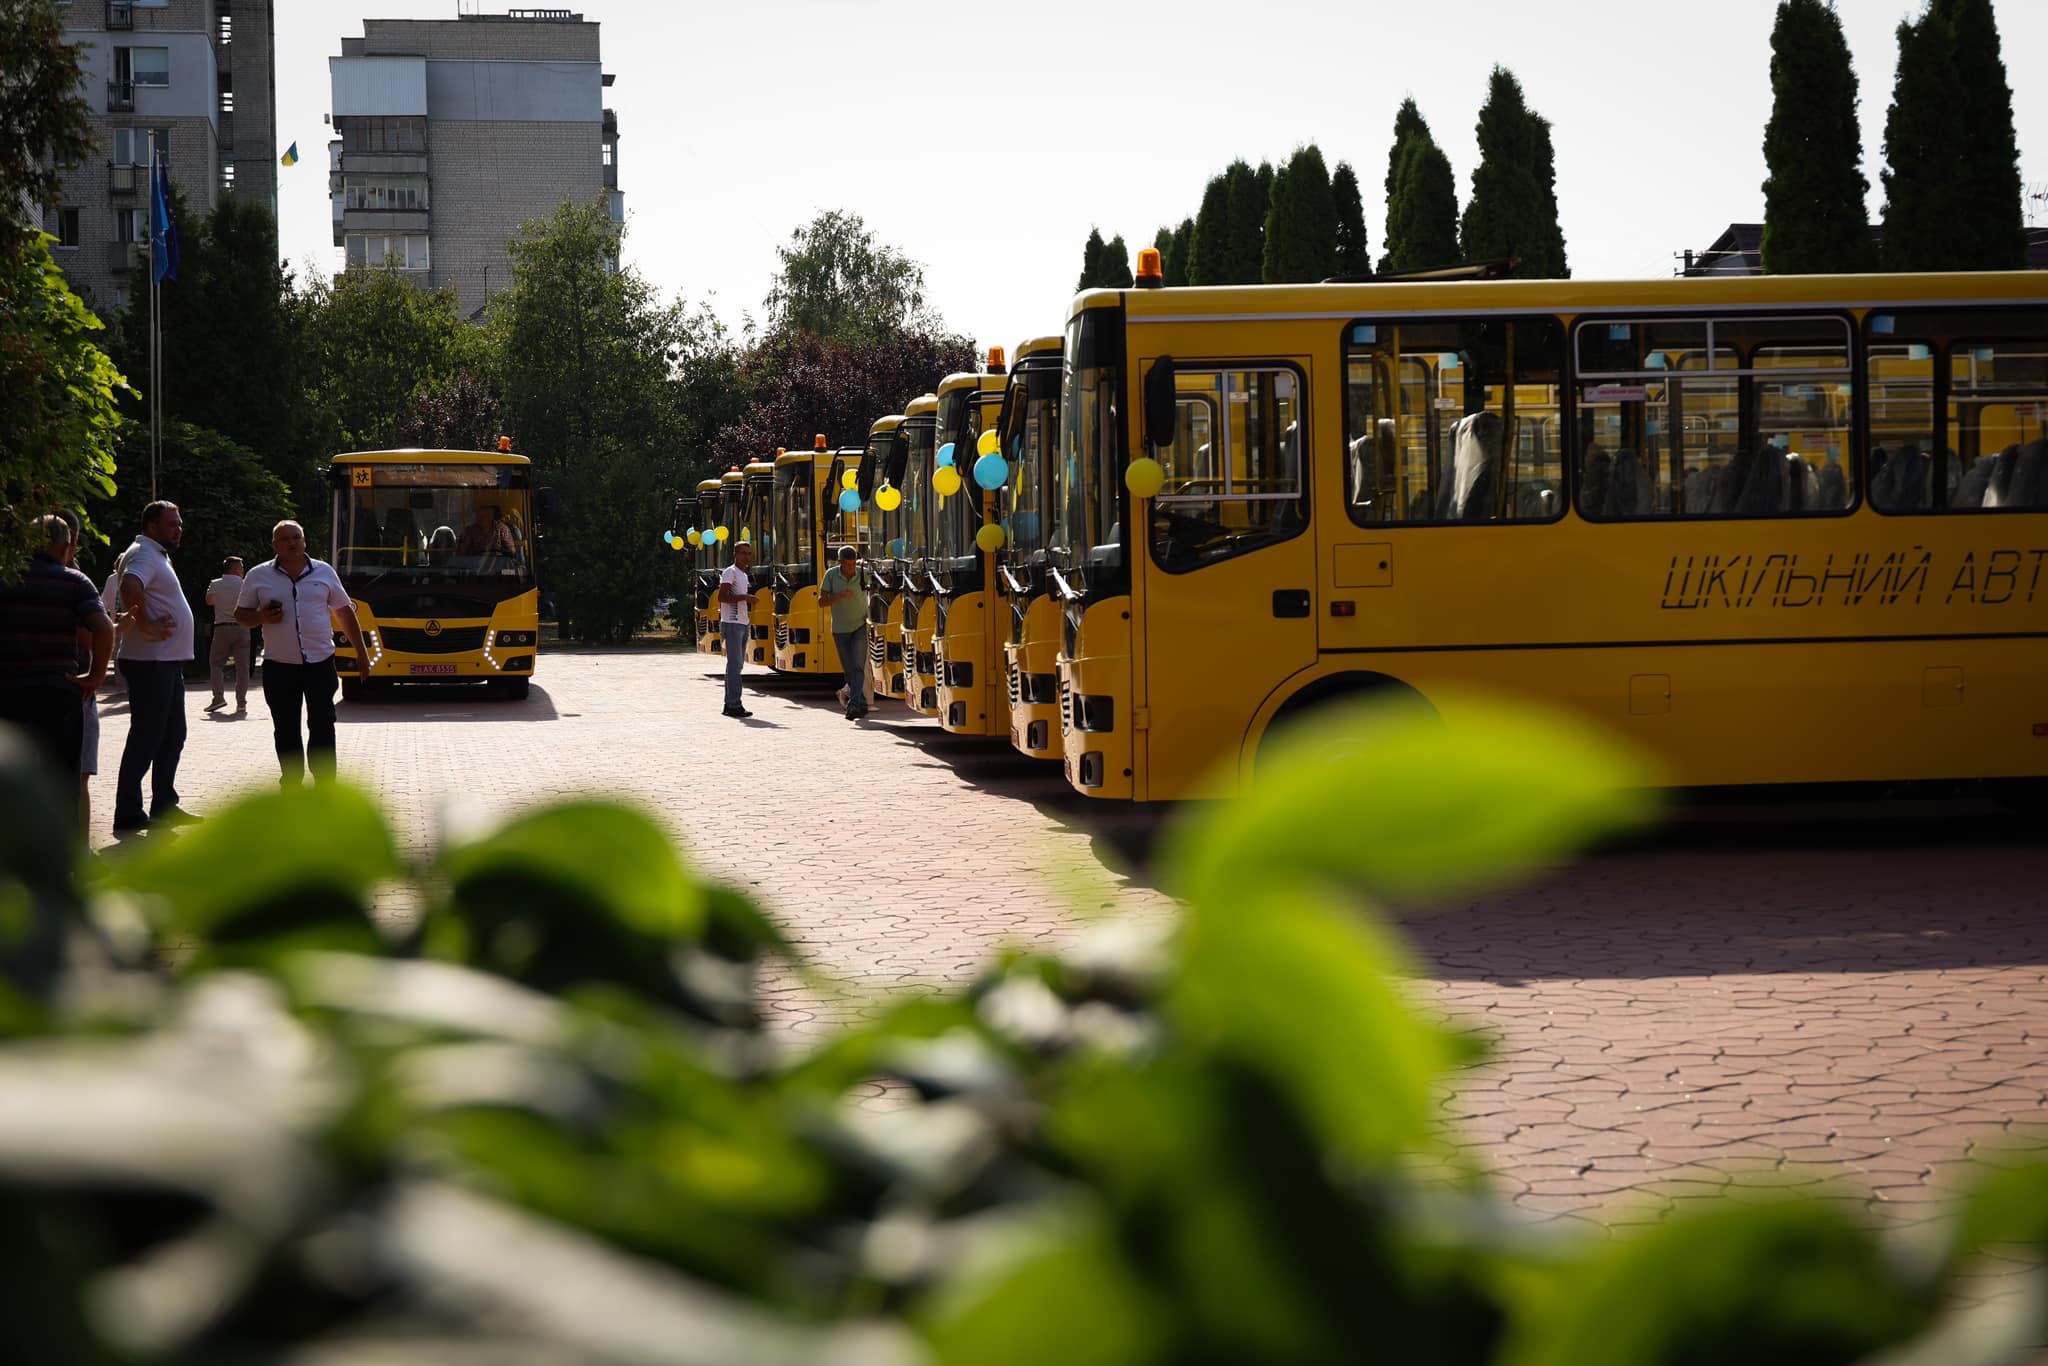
(1319, 696)
(352, 689)
(509, 689)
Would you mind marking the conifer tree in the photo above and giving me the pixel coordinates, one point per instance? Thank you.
(1162, 242)
(1180, 254)
(1250, 193)
(1115, 269)
(1925, 213)
(1513, 210)
(1091, 262)
(1408, 123)
(1814, 217)
(1422, 219)
(1986, 146)
(1208, 261)
(1301, 223)
(1352, 260)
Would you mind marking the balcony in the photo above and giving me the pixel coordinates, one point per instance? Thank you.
(123, 178)
(123, 257)
(120, 14)
(120, 97)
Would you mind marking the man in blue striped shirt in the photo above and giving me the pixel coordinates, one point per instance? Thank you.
(41, 615)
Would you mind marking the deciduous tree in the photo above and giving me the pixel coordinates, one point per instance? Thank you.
(837, 281)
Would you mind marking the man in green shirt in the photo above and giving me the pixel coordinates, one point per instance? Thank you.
(841, 591)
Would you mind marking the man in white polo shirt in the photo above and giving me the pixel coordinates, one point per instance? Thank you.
(297, 600)
(153, 658)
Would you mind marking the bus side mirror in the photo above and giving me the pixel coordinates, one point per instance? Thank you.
(1162, 404)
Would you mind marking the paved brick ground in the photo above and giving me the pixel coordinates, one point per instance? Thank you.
(1854, 1001)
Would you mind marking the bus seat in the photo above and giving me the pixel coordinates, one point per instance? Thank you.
(1975, 484)
(1701, 487)
(1534, 502)
(1831, 487)
(1475, 447)
(1594, 471)
(1628, 487)
(2018, 481)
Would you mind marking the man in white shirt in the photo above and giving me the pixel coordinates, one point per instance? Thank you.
(153, 657)
(735, 618)
(230, 637)
(297, 600)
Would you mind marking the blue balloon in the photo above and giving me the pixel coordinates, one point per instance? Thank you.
(896, 546)
(946, 454)
(849, 501)
(991, 471)
(1025, 527)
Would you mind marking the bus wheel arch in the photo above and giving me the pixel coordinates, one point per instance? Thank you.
(1325, 691)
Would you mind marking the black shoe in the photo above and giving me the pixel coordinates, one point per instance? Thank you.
(124, 825)
(171, 817)
(737, 711)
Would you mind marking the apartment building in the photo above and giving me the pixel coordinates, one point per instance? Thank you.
(200, 76)
(449, 134)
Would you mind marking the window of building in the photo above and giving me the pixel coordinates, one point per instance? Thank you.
(1714, 417)
(1454, 420)
(384, 193)
(131, 146)
(143, 65)
(610, 150)
(131, 225)
(383, 134)
(63, 225)
(399, 251)
(1233, 473)
(227, 177)
(1958, 410)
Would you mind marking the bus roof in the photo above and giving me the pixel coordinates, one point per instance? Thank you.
(414, 455)
(1037, 348)
(1340, 302)
(885, 425)
(924, 405)
(758, 467)
(731, 477)
(794, 457)
(988, 382)
(707, 485)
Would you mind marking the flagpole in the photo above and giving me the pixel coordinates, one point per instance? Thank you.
(155, 331)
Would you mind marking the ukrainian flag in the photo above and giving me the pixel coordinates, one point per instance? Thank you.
(291, 155)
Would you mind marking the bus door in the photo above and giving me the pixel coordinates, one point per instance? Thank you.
(1228, 561)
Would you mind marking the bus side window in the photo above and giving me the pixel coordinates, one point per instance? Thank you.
(1984, 447)
(1234, 471)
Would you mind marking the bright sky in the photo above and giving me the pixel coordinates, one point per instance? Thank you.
(985, 139)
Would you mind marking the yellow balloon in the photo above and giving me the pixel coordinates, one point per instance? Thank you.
(990, 443)
(946, 480)
(990, 537)
(696, 538)
(746, 535)
(888, 499)
(720, 532)
(850, 479)
(1145, 476)
(675, 543)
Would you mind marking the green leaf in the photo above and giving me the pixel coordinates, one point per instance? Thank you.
(603, 853)
(294, 868)
(1305, 992)
(1060, 1293)
(1796, 1283)
(1396, 800)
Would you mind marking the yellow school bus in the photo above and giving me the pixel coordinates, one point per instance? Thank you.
(803, 627)
(436, 549)
(881, 466)
(1676, 506)
(972, 612)
(703, 576)
(1030, 440)
(757, 528)
(918, 597)
(725, 510)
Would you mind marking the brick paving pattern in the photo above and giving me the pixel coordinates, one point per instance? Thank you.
(1852, 1005)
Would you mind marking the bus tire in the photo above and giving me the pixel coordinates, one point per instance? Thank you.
(509, 689)
(352, 689)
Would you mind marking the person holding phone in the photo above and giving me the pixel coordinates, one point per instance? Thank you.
(298, 601)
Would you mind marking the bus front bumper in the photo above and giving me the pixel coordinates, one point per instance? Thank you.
(1034, 706)
(1096, 724)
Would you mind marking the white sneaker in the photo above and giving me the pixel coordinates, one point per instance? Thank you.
(842, 694)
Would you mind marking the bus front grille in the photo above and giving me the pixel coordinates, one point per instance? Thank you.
(446, 640)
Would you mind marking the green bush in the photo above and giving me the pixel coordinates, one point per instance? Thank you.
(247, 1122)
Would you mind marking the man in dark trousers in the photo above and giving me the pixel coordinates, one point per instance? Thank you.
(297, 600)
(41, 615)
(153, 658)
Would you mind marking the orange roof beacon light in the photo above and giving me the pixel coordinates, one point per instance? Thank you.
(781, 451)
(996, 360)
(818, 442)
(504, 445)
(1151, 274)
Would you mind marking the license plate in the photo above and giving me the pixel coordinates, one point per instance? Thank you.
(433, 668)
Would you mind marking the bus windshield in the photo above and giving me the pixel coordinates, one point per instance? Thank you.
(1029, 438)
(884, 538)
(794, 517)
(917, 490)
(441, 524)
(756, 526)
(1086, 541)
(953, 519)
